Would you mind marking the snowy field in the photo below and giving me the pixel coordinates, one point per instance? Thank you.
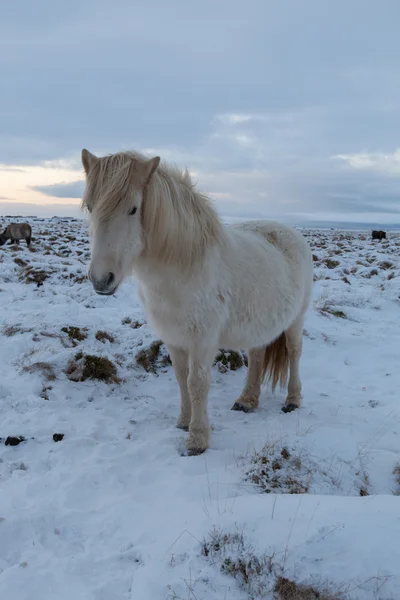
(115, 510)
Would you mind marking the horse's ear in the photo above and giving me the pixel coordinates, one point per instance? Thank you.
(150, 167)
(88, 160)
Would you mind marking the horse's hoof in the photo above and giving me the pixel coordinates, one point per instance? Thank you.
(289, 407)
(183, 427)
(195, 451)
(242, 407)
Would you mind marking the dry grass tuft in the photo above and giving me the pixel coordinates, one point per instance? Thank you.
(230, 360)
(44, 368)
(291, 590)
(103, 336)
(328, 309)
(88, 366)
(385, 265)
(153, 357)
(279, 471)
(75, 334)
(133, 324)
(370, 273)
(330, 263)
(260, 576)
(20, 262)
(396, 473)
(10, 330)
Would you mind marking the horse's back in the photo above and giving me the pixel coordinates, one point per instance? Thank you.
(19, 230)
(282, 243)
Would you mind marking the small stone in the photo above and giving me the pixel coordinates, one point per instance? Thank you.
(57, 437)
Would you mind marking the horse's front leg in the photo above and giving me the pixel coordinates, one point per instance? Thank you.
(199, 385)
(180, 362)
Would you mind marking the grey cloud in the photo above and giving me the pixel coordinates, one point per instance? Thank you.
(62, 190)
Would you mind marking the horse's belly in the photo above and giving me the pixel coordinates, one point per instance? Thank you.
(252, 335)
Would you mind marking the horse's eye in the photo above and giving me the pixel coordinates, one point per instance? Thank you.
(134, 209)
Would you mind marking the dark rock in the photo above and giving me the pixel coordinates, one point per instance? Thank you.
(14, 440)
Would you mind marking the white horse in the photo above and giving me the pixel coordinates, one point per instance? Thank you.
(203, 285)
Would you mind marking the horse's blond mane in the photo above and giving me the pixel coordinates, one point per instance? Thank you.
(178, 223)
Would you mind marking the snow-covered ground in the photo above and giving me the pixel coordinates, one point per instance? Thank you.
(115, 510)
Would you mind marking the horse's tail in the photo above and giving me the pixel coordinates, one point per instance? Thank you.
(276, 362)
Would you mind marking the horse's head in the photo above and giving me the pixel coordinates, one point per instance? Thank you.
(114, 192)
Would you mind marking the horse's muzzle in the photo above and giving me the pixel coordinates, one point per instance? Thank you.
(105, 286)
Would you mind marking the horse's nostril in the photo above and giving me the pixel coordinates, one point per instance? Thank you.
(110, 279)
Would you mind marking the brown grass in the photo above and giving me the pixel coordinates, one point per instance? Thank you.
(10, 330)
(327, 309)
(274, 470)
(230, 360)
(133, 324)
(33, 275)
(330, 263)
(20, 262)
(88, 366)
(260, 576)
(370, 273)
(44, 368)
(287, 589)
(151, 358)
(385, 265)
(103, 336)
(75, 334)
(396, 473)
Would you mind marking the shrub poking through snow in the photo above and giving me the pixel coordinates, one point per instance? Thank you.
(287, 589)
(44, 368)
(386, 264)
(10, 330)
(20, 262)
(259, 575)
(274, 470)
(133, 324)
(230, 360)
(153, 357)
(88, 366)
(103, 336)
(396, 473)
(330, 263)
(370, 273)
(253, 573)
(75, 334)
(33, 275)
(327, 308)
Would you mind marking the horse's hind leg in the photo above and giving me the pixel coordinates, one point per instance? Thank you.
(294, 345)
(180, 362)
(250, 395)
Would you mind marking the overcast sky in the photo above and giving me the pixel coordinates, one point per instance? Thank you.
(286, 108)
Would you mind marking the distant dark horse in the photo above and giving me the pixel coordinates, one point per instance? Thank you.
(16, 232)
(378, 235)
